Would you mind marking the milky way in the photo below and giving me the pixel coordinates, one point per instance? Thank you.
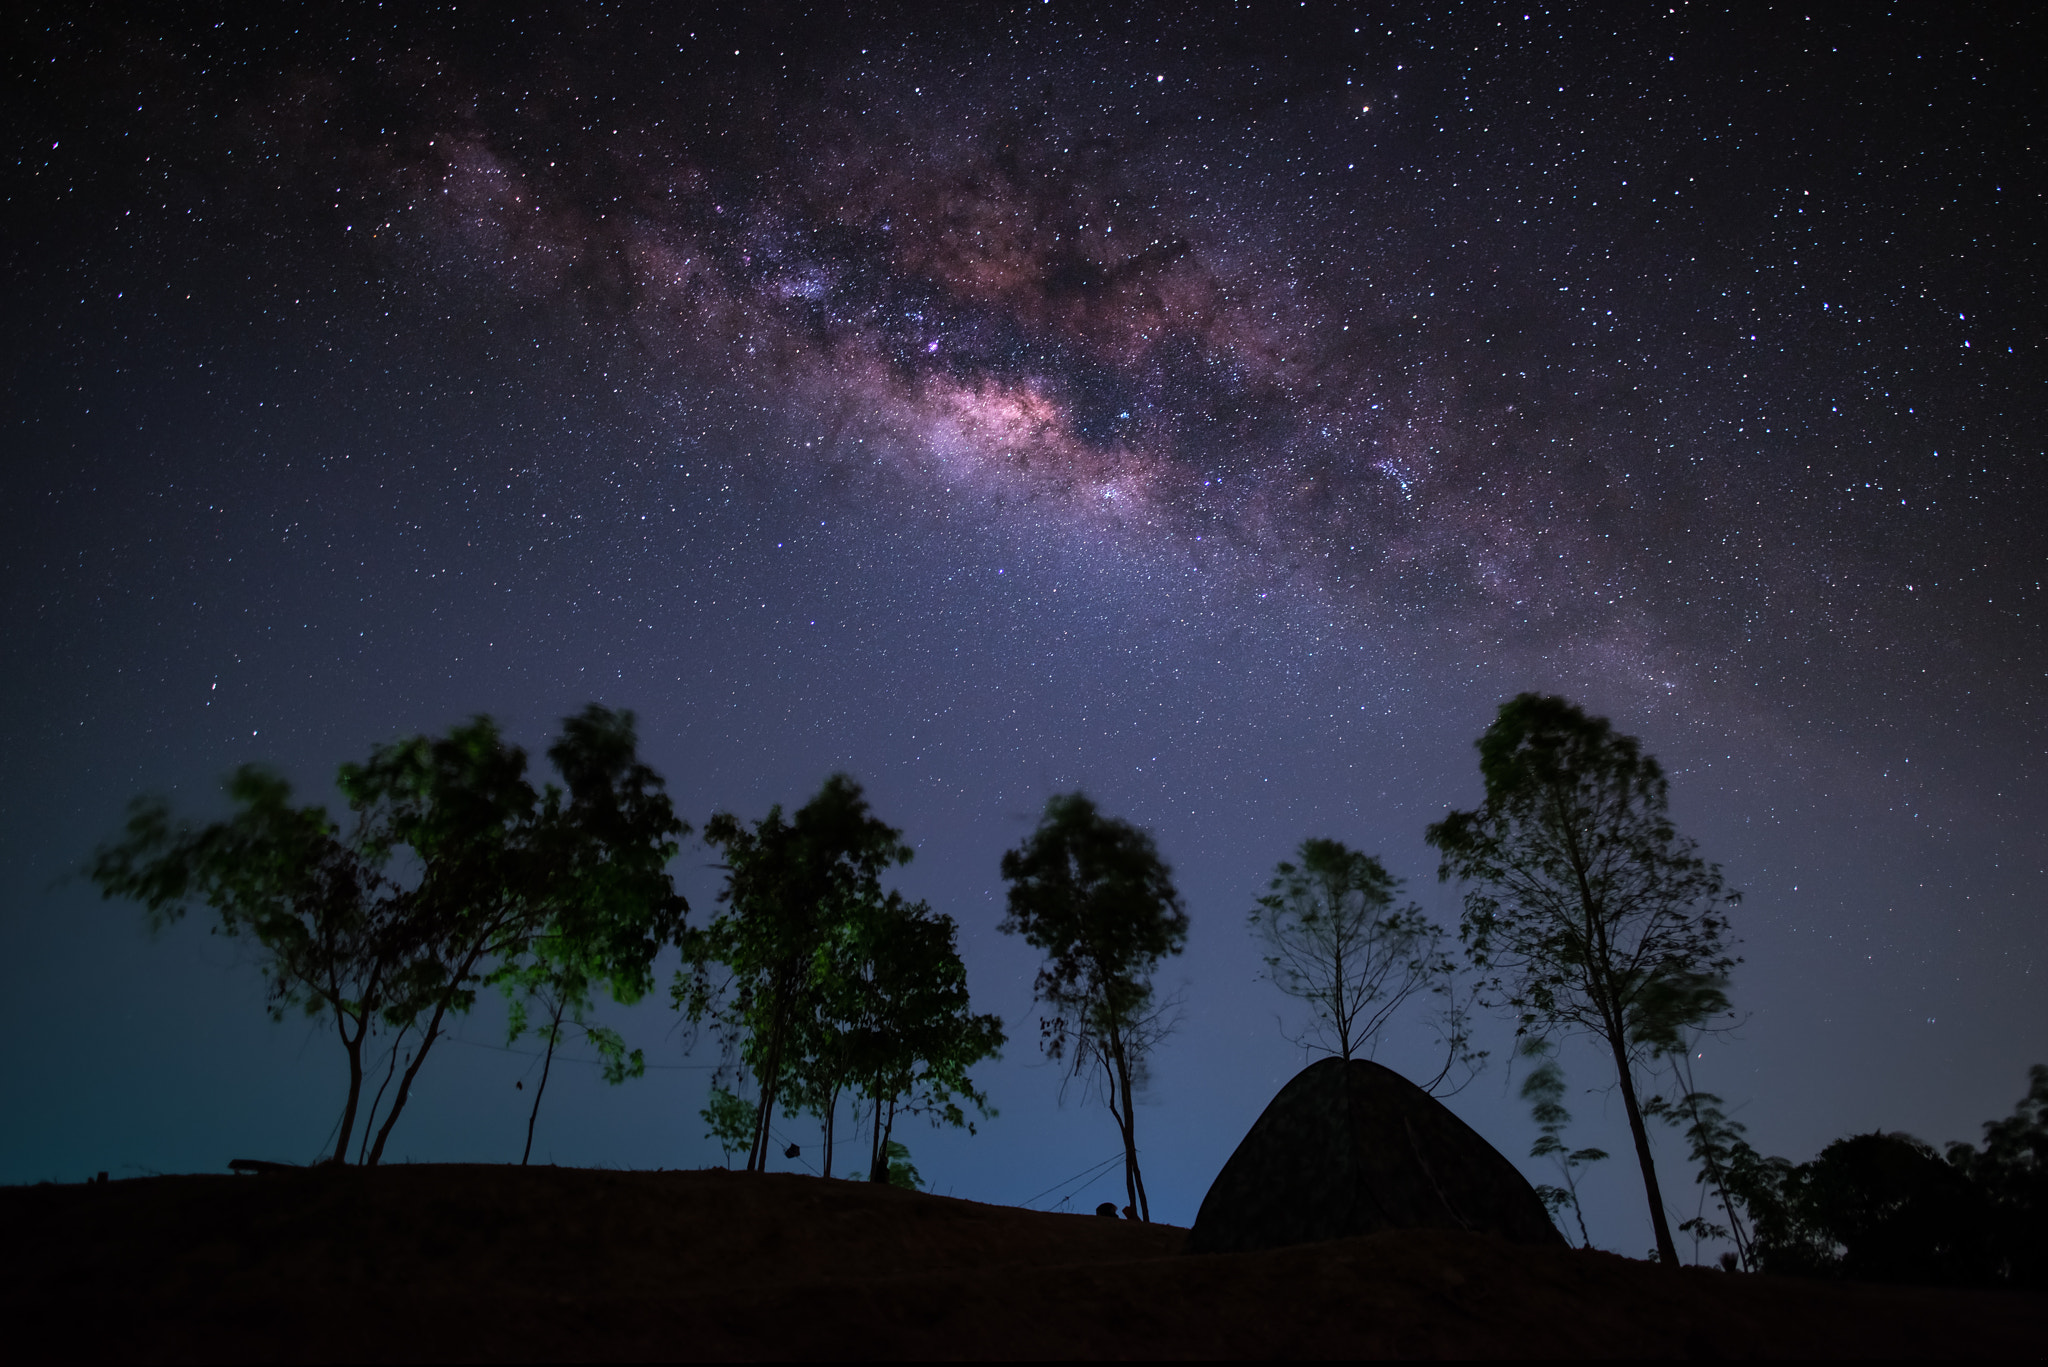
(1222, 411)
(1518, 343)
(1176, 300)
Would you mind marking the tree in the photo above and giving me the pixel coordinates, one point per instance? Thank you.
(902, 1035)
(454, 869)
(1723, 1157)
(1335, 939)
(334, 932)
(790, 885)
(1886, 1207)
(2011, 1171)
(1588, 912)
(615, 907)
(1544, 1089)
(1092, 893)
(733, 1121)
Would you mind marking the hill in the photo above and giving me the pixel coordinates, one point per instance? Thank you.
(503, 1263)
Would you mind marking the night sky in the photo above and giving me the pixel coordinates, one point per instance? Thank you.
(1221, 413)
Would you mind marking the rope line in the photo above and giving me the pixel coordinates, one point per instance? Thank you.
(1096, 1170)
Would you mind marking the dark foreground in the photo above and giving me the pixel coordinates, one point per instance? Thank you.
(501, 1263)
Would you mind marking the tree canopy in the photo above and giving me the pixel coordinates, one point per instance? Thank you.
(756, 973)
(454, 870)
(1334, 938)
(1586, 910)
(1091, 892)
(896, 1022)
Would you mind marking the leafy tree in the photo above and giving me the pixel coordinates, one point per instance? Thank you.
(548, 997)
(900, 1171)
(1335, 939)
(1544, 1089)
(611, 837)
(1872, 1207)
(1723, 1158)
(334, 933)
(897, 1010)
(1588, 912)
(733, 1121)
(1092, 893)
(757, 973)
(2011, 1172)
(1886, 1207)
(454, 868)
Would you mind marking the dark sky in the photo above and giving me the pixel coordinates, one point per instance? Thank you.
(1222, 413)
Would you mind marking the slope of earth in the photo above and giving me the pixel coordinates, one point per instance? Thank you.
(502, 1263)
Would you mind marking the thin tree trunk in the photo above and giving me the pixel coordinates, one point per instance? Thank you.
(1117, 1076)
(1683, 1071)
(831, 1114)
(547, 1062)
(412, 1071)
(1667, 1251)
(878, 1162)
(1136, 1181)
(370, 1118)
(1617, 1040)
(757, 1158)
(771, 1078)
(355, 1080)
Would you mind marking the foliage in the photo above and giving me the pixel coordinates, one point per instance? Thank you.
(901, 1172)
(1587, 911)
(894, 1022)
(334, 932)
(454, 871)
(732, 1119)
(1092, 893)
(1721, 1156)
(613, 834)
(758, 973)
(2011, 1173)
(1888, 1208)
(1544, 1090)
(1335, 939)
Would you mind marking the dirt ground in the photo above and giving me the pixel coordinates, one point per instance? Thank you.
(485, 1263)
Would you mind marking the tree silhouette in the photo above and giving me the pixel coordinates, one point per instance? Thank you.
(1335, 939)
(610, 836)
(334, 932)
(1092, 893)
(1887, 1207)
(896, 1006)
(758, 971)
(1588, 912)
(452, 872)
(1544, 1090)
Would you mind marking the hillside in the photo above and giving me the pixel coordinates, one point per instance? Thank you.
(503, 1263)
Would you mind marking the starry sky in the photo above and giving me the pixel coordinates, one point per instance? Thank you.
(1220, 410)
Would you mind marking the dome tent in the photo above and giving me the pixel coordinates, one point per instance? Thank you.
(1351, 1148)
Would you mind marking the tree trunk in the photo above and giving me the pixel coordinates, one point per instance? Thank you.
(370, 1117)
(547, 1062)
(878, 1156)
(831, 1115)
(1139, 1203)
(1667, 1251)
(771, 1079)
(412, 1070)
(757, 1158)
(1118, 1068)
(355, 1080)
